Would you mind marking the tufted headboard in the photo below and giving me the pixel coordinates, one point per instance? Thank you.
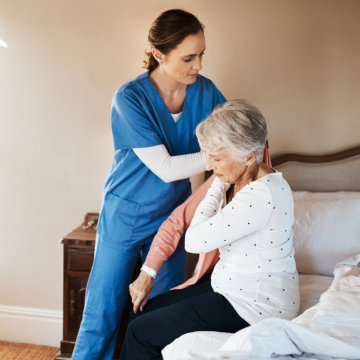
(321, 173)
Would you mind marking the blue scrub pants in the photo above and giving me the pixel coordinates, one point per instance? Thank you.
(108, 289)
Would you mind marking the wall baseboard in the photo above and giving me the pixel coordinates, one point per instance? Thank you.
(30, 325)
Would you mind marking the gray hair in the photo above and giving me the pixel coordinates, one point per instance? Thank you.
(237, 126)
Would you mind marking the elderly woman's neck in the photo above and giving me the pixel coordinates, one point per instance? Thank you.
(252, 173)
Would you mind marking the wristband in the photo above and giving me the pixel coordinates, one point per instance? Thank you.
(149, 271)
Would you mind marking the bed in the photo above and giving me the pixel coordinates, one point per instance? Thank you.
(326, 191)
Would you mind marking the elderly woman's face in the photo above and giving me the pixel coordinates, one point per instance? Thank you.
(225, 166)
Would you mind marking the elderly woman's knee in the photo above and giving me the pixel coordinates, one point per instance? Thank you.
(138, 328)
(133, 316)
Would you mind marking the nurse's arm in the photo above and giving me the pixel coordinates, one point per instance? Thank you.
(171, 168)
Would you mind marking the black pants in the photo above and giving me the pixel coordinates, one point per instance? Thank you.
(177, 312)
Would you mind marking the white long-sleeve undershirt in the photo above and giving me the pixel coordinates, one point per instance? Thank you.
(171, 168)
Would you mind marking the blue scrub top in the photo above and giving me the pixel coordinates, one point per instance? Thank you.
(135, 200)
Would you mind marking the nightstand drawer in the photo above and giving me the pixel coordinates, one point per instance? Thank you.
(80, 259)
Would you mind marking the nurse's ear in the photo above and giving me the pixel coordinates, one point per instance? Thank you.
(158, 55)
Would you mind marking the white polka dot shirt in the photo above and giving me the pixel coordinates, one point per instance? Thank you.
(256, 271)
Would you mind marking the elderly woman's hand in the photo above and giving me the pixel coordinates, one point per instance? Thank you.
(140, 290)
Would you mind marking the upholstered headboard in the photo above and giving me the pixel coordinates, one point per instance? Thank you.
(321, 173)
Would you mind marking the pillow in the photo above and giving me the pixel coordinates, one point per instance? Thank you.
(311, 287)
(326, 230)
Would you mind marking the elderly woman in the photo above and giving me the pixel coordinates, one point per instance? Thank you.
(248, 215)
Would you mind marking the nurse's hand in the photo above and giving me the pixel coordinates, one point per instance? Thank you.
(140, 290)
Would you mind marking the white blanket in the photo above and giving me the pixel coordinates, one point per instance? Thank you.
(328, 330)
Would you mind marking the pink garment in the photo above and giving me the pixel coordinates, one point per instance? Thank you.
(170, 232)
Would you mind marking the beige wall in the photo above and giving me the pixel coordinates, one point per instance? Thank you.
(298, 60)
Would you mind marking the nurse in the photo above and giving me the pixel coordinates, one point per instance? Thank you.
(153, 119)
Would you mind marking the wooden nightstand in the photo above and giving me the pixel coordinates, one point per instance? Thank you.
(78, 258)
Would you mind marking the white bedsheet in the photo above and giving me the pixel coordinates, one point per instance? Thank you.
(328, 330)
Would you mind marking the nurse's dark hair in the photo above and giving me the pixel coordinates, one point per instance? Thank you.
(168, 31)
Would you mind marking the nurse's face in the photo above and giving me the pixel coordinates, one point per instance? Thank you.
(183, 63)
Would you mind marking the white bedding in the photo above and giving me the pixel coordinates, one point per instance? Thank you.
(330, 329)
(311, 287)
